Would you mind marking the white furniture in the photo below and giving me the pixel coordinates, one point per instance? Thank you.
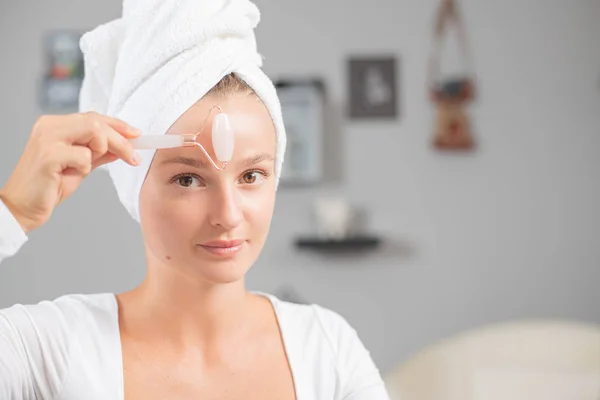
(538, 360)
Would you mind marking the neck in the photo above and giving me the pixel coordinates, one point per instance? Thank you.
(184, 310)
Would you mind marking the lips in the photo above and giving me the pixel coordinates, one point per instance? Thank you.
(223, 243)
(223, 247)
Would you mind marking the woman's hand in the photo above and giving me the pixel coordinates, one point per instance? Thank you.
(60, 152)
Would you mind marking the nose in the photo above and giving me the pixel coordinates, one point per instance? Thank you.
(226, 210)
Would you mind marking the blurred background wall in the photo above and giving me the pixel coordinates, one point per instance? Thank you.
(508, 231)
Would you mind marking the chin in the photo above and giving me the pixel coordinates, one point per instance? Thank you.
(221, 269)
(223, 273)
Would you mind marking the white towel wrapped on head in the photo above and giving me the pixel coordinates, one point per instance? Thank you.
(156, 61)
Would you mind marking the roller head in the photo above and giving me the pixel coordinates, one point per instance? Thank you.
(223, 137)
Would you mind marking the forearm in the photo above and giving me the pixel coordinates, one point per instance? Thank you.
(12, 236)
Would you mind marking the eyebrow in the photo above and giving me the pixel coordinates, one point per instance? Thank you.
(201, 163)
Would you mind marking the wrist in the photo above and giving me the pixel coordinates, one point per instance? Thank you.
(24, 222)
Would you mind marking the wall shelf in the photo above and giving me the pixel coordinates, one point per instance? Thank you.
(355, 243)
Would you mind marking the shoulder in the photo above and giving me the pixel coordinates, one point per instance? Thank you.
(38, 341)
(314, 319)
(67, 310)
(321, 327)
(51, 324)
(325, 338)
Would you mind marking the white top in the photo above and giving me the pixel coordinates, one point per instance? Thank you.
(70, 348)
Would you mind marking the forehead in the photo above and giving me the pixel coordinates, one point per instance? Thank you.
(245, 112)
(252, 124)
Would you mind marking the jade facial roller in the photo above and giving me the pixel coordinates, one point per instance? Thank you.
(222, 140)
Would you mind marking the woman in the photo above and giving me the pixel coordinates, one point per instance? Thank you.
(190, 330)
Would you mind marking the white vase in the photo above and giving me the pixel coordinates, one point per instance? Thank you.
(334, 216)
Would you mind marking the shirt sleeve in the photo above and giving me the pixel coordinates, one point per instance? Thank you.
(34, 351)
(12, 236)
(359, 376)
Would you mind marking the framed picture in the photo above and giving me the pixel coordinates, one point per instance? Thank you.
(64, 71)
(302, 104)
(372, 87)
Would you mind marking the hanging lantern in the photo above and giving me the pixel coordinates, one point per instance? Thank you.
(452, 129)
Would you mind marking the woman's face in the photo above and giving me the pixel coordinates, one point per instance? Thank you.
(206, 223)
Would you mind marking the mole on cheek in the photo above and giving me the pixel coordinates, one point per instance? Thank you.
(168, 257)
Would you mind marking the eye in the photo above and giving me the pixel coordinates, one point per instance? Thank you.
(253, 177)
(187, 180)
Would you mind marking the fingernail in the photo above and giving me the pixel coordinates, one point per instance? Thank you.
(136, 159)
(136, 131)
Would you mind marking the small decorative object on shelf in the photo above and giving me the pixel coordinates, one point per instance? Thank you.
(335, 220)
(334, 217)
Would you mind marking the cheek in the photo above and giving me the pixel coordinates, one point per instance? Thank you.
(168, 218)
(259, 211)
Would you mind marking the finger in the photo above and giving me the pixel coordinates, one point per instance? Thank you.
(71, 178)
(78, 158)
(120, 126)
(84, 126)
(105, 159)
(121, 147)
(76, 128)
(101, 139)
